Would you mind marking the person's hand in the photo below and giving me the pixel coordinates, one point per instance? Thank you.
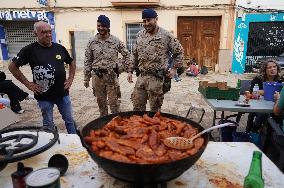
(34, 87)
(86, 84)
(173, 72)
(129, 77)
(68, 83)
(276, 96)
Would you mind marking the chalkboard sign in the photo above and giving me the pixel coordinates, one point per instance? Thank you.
(265, 39)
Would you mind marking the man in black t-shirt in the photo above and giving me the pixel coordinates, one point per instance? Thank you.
(50, 85)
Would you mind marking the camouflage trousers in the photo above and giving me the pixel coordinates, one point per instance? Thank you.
(94, 91)
(106, 92)
(148, 87)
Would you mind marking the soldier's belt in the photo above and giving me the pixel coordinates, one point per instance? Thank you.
(100, 70)
(156, 73)
(144, 73)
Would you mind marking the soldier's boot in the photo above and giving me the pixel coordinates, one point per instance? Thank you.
(156, 102)
(155, 109)
(103, 113)
(102, 106)
(139, 100)
(114, 109)
(114, 105)
(139, 107)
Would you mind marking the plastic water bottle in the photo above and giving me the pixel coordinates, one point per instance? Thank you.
(255, 92)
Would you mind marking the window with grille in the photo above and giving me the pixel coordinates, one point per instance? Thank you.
(131, 31)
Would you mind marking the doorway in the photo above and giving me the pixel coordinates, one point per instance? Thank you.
(200, 38)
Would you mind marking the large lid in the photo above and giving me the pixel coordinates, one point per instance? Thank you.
(24, 142)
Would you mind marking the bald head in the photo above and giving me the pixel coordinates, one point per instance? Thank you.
(43, 32)
(39, 25)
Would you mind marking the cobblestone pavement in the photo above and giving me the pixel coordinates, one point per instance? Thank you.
(177, 101)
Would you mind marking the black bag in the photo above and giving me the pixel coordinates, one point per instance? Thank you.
(180, 70)
(227, 132)
(2, 76)
(167, 84)
(203, 70)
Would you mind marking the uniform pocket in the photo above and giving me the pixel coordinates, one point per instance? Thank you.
(159, 45)
(155, 85)
(96, 50)
(111, 52)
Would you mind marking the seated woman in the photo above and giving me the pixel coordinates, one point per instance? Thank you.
(269, 72)
(192, 70)
(15, 94)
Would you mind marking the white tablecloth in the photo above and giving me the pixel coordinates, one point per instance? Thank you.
(222, 163)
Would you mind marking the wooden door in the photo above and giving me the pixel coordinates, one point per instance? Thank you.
(200, 37)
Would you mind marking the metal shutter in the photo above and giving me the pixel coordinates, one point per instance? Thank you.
(18, 35)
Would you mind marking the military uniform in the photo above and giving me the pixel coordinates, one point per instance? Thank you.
(151, 56)
(101, 58)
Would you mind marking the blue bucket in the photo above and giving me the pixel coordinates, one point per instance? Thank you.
(269, 89)
(255, 138)
(226, 132)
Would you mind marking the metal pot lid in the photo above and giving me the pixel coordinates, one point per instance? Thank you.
(24, 142)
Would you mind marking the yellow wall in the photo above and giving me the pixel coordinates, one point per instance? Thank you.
(70, 15)
(101, 3)
(83, 21)
(86, 21)
(53, 3)
(81, 15)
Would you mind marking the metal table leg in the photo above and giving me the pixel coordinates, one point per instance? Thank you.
(222, 115)
(214, 118)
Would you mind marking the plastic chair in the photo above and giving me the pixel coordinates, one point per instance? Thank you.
(274, 143)
(195, 112)
(245, 86)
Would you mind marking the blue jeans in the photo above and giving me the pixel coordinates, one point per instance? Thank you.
(65, 109)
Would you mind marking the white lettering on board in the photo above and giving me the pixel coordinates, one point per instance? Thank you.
(22, 14)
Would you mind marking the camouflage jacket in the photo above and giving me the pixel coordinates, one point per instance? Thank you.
(152, 52)
(104, 55)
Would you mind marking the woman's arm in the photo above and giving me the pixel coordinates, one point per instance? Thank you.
(279, 103)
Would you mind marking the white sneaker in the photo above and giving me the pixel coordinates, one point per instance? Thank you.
(20, 111)
(30, 97)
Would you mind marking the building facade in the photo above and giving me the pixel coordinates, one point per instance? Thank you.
(204, 28)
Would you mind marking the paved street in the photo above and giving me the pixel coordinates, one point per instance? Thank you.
(177, 101)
